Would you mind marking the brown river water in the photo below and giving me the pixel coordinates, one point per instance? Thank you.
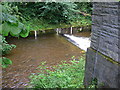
(29, 53)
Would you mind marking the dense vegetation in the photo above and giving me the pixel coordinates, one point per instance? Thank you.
(55, 12)
(5, 48)
(11, 25)
(45, 15)
(66, 75)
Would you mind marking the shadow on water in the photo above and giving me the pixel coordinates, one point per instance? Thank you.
(30, 52)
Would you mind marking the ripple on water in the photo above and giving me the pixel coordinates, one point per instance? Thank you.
(29, 53)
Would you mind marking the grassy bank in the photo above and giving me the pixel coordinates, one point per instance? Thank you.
(66, 75)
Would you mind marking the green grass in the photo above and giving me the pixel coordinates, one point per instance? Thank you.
(65, 75)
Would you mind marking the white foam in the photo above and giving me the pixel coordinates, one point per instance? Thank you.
(81, 42)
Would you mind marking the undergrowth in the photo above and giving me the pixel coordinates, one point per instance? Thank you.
(40, 24)
(5, 48)
(66, 75)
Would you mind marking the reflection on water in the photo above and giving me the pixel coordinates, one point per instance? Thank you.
(30, 52)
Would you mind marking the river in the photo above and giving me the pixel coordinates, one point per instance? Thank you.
(30, 52)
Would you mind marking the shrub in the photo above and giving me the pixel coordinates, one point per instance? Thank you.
(5, 62)
(5, 48)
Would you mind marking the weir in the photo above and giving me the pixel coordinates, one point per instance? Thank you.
(35, 34)
(71, 30)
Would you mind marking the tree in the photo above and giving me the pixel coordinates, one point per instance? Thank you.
(52, 12)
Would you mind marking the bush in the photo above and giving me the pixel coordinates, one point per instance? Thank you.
(66, 75)
(5, 62)
(5, 48)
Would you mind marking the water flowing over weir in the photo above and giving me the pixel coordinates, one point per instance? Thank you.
(82, 42)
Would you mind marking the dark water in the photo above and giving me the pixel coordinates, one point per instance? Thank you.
(30, 52)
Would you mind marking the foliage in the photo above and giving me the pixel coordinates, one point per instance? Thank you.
(5, 62)
(5, 48)
(54, 12)
(51, 15)
(93, 83)
(40, 24)
(85, 7)
(11, 23)
(65, 75)
(58, 12)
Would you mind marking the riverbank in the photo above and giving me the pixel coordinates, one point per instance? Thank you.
(69, 74)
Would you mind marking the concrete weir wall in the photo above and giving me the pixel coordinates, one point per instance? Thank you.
(102, 58)
(74, 29)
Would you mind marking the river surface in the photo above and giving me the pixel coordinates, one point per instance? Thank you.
(29, 53)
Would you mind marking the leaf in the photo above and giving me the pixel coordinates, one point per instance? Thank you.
(6, 61)
(15, 30)
(20, 25)
(25, 32)
(4, 66)
(5, 29)
(12, 19)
